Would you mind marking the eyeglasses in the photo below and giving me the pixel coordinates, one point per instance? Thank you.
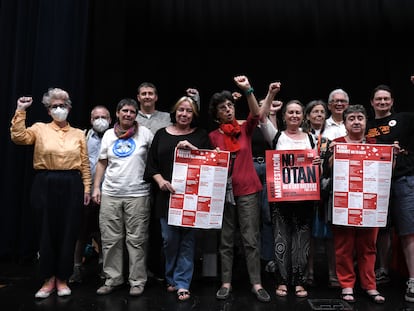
(100, 117)
(339, 101)
(126, 110)
(58, 105)
(224, 107)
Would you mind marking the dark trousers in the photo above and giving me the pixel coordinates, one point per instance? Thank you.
(57, 197)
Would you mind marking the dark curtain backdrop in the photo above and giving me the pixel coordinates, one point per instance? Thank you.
(100, 50)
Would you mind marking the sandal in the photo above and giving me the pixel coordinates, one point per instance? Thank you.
(281, 291)
(300, 292)
(170, 288)
(183, 294)
(376, 297)
(348, 296)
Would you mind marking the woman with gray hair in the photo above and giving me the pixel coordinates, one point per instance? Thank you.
(61, 185)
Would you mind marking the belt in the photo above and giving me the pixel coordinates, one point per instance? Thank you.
(259, 159)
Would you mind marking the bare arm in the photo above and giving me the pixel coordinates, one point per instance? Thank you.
(99, 173)
(163, 184)
(268, 130)
(244, 84)
(265, 109)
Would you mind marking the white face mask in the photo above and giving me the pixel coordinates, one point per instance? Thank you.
(100, 125)
(59, 114)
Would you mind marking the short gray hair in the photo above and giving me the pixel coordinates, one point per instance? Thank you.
(338, 91)
(56, 93)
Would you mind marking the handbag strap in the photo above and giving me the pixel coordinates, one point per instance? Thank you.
(232, 158)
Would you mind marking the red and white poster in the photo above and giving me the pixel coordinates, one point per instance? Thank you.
(199, 179)
(361, 184)
(291, 176)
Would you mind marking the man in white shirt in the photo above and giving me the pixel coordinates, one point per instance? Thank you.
(338, 101)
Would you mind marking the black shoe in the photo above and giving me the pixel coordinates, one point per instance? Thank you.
(261, 294)
(270, 266)
(223, 293)
(76, 277)
(382, 277)
(152, 275)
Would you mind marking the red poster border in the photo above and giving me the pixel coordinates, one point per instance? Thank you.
(277, 190)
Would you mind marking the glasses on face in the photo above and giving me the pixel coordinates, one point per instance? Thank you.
(385, 98)
(339, 101)
(58, 106)
(100, 117)
(126, 110)
(224, 107)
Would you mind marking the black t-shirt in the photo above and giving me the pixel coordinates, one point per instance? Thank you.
(259, 144)
(396, 127)
(161, 159)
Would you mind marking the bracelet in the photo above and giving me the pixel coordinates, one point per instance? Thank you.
(249, 91)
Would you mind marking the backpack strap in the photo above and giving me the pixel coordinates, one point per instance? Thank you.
(274, 141)
(312, 142)
(88, 134)
(232, 158)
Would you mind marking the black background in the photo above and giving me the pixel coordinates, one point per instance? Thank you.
(101, 50)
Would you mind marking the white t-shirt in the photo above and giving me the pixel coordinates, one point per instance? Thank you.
(286, 143)
(126, 163)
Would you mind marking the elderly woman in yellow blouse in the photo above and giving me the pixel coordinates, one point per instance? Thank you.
(61, 185)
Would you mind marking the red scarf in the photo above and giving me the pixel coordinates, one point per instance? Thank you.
(231, 132)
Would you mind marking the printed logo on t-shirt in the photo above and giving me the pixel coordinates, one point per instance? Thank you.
(124, 147)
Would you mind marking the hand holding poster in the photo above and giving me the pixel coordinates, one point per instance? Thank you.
(199, 179)
(361, 184)
(291, 176)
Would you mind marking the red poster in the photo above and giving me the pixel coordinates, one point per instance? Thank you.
(291, 176)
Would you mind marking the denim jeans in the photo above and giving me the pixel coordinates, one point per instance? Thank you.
(403, 205)
(179, 247)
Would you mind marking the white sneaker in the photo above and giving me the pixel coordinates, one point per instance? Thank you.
(409, 294)
(64, 292)
(44, 293)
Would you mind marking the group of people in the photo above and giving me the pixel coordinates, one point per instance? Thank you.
(116, 182)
